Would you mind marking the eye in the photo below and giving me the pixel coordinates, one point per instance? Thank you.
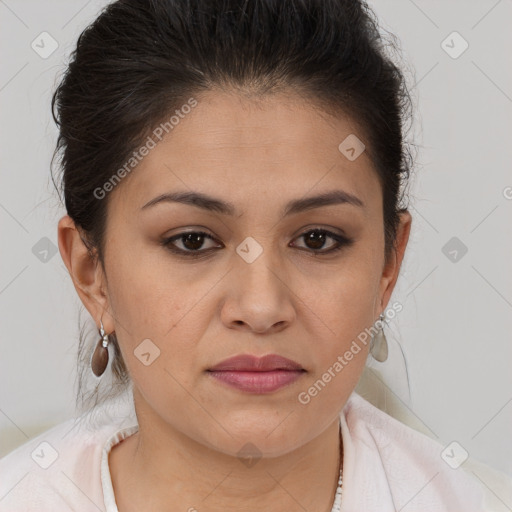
(191, 242)
(315, 239)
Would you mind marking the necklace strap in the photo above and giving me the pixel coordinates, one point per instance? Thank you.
(336, 507)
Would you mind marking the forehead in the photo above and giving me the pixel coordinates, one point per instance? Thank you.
(252, 148)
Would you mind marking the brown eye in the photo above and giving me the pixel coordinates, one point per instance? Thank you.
(316, 239)
(191, 242)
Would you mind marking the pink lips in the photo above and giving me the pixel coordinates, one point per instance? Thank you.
(257, 374)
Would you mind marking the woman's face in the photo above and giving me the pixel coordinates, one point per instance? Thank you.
(261, 281)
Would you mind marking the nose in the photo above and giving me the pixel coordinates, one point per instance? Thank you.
(259, 298)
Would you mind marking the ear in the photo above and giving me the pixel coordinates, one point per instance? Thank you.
(86, 272)
(392, 266)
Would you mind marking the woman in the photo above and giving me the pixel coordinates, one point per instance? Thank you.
(233, 174)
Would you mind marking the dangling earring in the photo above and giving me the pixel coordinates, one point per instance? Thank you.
(99, 359)
(379, 344)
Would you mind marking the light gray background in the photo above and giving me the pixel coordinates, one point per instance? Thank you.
(455, 326)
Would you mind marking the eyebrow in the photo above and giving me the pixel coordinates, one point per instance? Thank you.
(295, 206)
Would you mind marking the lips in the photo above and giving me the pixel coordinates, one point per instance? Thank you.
(257, 375)
(250, 363)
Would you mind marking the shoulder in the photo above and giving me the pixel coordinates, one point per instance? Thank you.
(60, 468)
(417, 472)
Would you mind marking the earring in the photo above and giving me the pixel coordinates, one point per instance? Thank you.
(99, 359)
(379, 344)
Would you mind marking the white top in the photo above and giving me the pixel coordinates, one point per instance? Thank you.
(387, 466)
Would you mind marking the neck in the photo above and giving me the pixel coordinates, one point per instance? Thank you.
(179, 470)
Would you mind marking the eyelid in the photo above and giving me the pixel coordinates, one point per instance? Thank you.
(168, 240)
(317, 227)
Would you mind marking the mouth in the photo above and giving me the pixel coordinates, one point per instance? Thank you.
(257, 375)
(249, 363)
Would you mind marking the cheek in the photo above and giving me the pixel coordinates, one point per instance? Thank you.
(345, 308)
(158, 310)
(345, 301)
(340, 353)
(147, 293)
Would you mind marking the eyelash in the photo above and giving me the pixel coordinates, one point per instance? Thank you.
(340, 239)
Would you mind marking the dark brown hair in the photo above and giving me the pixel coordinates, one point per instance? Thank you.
(141, 59)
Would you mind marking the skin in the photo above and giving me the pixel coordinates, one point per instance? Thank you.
(257, 154)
